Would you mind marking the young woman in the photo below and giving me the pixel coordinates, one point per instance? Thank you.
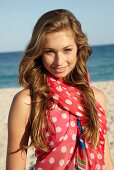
(59, 109)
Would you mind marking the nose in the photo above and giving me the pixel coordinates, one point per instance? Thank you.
(59, 59)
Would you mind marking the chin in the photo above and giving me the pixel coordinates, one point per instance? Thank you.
(60, 75)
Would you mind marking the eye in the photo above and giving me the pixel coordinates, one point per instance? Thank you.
(68, 50)
(49, 51)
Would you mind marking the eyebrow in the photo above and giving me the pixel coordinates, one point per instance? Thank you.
(53, 49)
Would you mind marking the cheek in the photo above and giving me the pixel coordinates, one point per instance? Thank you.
(73, 58)
(46, 60)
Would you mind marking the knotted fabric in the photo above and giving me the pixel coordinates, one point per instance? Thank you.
(69, 150)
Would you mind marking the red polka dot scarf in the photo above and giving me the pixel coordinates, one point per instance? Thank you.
(70, 151)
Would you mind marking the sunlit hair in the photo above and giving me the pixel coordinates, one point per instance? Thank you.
(32, 75)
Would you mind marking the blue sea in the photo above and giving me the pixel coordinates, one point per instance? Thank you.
(100, 65)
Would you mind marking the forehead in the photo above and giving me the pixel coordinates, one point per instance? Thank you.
(60, 38)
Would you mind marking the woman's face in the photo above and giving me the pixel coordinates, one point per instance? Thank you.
(60, 53)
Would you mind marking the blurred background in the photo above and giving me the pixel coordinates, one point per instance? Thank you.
(17, 19)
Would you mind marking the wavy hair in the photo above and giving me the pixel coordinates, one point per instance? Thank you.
(32, 75)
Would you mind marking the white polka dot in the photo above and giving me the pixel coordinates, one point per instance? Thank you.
(48, 84)
(66, 108)
(40, 169)
(86, 145)
(51, 143)
(68, 101)
(102, 142)
(100, 129)
(67, 124)
(74, 161)
(58, 82)
(52, 79)
(78, 114)
(98, 166)
(64, 88)
(61, 138)
(68, 93)
(56, 97)
(72, 123)
(59, 88)
(54, 119)
(99, 114)
(104, 135)
(103, 167)
(64, 115)
(68, 162)
(61, 162)
(74, 136)
(59, 108)
(54, 149)
(53, 106)
(56, 106)
(75, 98)
(99, 156)
(100, 120)
(101, 109)
(63, 149)
(78, 93)
(71, 150)
(51, 160)
(65, 137)
(104, 131)
(92, 156)
(90, 162)
(58, 129)
(47, 134)
(79, 107)
(42, 161)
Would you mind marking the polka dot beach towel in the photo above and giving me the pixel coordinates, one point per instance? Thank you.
(69, 150)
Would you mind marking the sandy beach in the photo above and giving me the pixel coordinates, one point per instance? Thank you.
(6, 96)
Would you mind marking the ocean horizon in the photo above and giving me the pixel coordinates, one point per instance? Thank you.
(100, 65)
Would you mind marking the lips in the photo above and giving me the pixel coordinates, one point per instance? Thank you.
(59, 69)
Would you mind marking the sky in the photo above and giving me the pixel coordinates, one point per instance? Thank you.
(18, 17)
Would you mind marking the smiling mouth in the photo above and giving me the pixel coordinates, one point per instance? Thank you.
(59, 69)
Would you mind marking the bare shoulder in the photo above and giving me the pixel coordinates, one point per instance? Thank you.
(99, 97)
(19, 114)
(98, 93)
(21, 105)
(23, 96)
(18, 130)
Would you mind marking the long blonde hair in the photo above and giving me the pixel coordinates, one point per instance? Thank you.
(32, 75)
